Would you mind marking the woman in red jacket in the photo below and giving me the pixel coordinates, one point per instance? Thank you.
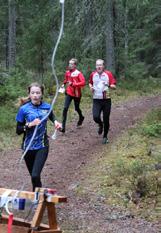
(74, 81)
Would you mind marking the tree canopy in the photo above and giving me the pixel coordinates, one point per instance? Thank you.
(125, 33)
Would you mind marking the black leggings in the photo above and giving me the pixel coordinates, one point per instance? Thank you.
(35, 160)
(68, 100)
(102, 105)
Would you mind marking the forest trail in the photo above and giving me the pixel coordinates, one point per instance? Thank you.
(64, 170)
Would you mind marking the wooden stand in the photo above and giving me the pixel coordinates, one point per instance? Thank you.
(44, 202)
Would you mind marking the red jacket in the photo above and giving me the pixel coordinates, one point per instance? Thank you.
(76, 81)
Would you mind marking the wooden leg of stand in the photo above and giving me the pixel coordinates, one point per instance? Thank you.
(52, 216)
(53, 226)
(38, 215)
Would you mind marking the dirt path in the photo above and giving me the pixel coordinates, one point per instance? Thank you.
(64, 171)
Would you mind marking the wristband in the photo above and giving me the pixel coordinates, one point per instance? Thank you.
(26, 126)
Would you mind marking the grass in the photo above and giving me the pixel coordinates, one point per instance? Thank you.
(126, 168)
(7, 127)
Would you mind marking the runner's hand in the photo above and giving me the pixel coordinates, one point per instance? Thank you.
(58, 125)
(69, 83)
(113, 86)
(91, 88)
(35, 122)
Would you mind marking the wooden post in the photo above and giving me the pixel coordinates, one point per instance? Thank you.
(38, 213)
(52, 216)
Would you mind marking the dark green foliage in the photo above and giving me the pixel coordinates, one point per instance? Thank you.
(35, 43)
(145, 31)
(13, 86)
(7, 117)
(137, 34)
(152, 125)
(153, 130)
(3, 32)
(143, 85)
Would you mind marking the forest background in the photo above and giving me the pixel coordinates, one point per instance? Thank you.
(126, 33)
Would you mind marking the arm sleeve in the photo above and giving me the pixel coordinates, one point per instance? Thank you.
(20, 127)
(91, 79)
(112, 80)
(20, 116)
(52, 117)
(65, 78)
(20, 122)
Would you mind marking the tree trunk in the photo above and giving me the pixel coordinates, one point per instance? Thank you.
(126, 40)
(11, 34)
(110, 51)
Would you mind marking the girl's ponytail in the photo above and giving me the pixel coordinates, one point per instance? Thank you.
(22, 101)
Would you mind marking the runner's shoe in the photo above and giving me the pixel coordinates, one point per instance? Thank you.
(105, 141)
(81, 119)
(62, 130)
